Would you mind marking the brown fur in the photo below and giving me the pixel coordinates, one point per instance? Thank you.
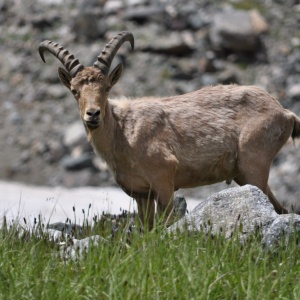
(155, 146)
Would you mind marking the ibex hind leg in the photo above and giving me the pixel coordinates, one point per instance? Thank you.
(258, 176)
(258, 148)
(279, 208)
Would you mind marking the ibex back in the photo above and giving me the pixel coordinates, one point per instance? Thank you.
(156, 146)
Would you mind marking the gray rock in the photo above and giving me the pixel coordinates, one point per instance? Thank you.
(136, 2)
(43, 20)
(284, 226)
(52, 151)
(237, 30)
(293, 92)
(90, 4)
(145, 14)
(113, 6)
(180, 206)
(88, 25)
(68, 229)
(74, 135)
(81, 162)
(81, 247)
(15, 118)
(177, 44)
(244, 208)
(56, 235)
(183, 69)
(197, 20)
(208, 79)
(56, 91)
(229, 76)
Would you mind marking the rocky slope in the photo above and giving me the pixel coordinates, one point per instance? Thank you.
(180, 46)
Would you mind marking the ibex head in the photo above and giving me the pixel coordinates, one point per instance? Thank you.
(89, 85)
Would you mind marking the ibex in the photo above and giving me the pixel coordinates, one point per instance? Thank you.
(158, 145)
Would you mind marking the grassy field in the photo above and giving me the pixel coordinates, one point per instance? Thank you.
(154, 265)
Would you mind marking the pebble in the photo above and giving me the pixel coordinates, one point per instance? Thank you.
(74, 134)
(78, 163)
(293, 92)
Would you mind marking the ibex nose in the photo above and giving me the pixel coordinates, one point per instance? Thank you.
(93, 112)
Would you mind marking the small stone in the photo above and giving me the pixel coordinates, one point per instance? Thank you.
(78, 163)
(25, 156)
(228, 76)
(136, 2)
(87, 25)
(293, 92)
(180, 206)
(145, 14)
(176, 44)
(74, 135)
(81, 247)
(56, 91)
(196, 21)
(70, 229)
(15, 118)
(113, 6)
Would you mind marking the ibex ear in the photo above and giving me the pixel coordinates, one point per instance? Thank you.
(115, 75)
(64, 77)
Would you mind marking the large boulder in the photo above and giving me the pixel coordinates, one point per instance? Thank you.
(237, 30)
(244, 210)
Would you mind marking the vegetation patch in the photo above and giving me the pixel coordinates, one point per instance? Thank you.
(146, 265)
(248, 5)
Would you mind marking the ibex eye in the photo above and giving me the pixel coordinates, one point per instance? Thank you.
(74, 92)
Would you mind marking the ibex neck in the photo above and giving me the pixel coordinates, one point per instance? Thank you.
(102, 138)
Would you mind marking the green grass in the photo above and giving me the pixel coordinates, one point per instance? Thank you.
(248, 5)
(154, 265)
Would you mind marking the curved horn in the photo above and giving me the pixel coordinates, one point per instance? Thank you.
(107, 55)
(68, 60)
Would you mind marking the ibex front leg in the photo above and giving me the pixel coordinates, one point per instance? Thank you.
(146, 209)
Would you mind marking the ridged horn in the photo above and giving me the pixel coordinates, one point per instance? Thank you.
(68, 60)
(107, 55)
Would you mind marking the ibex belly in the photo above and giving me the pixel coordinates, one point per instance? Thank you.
(207, 169)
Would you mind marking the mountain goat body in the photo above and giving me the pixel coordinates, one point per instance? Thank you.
(156, 146)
